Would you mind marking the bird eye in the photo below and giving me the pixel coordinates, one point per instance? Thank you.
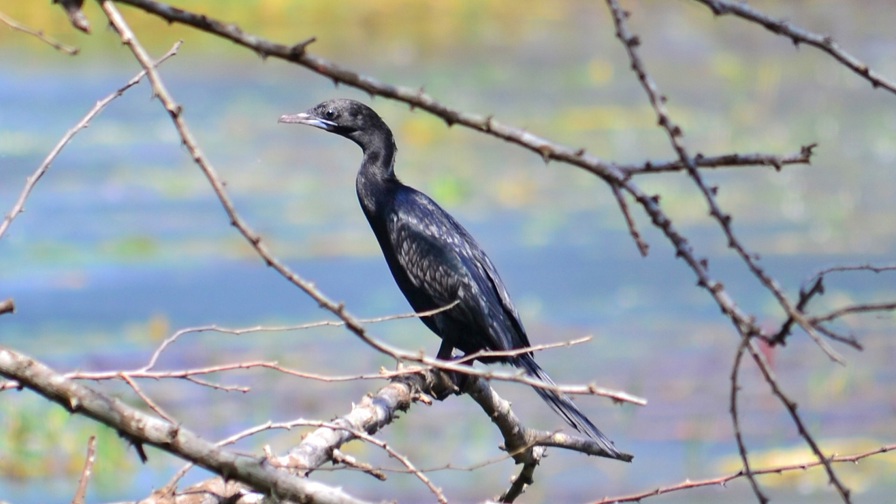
(330, 114)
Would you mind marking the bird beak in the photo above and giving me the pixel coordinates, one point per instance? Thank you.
(306, 118)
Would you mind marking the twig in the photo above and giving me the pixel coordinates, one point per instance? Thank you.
(523, 480)
(823, 459)
(149, 402)
(86, 473)
(800, 36)
(244, 330)
(642, 245)
(353, 463)
(522, 442)
(31, 181)
(406, 462)
(858, 267)
(59, 46)
(723, 480)
(725, 161)
(806, 295)
(853, 309)
(735, 421)
(7, 306)
(814, 286)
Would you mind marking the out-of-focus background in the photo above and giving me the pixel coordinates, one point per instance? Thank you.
(123, 241)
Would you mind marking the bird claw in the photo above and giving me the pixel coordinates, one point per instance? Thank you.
(448, 383)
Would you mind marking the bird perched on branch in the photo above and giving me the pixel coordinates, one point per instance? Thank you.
(435, 261)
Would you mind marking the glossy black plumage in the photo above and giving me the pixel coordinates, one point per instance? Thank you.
(434, 260)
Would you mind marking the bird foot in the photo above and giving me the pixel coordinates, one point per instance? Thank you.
(448, 383)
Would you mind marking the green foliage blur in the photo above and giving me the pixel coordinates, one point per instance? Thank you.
(340, 26)
(41, 442)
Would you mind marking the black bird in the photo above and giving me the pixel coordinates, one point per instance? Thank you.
(434, 260)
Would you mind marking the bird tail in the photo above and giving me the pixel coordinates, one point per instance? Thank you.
(567, 409)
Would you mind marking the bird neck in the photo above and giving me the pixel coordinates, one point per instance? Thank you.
(379, 159)
(377, 176)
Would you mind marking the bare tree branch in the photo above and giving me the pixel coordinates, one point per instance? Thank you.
(175, 439)
(86, 473)
(31, 181)
(456, 366)
(363, 435)
(799, 36)
(59, 46)
(524, 479)
(417, 99)
(746, 328)
(725, 161)
(813, 287)
(723, 480)
(735, 421)
(642, 245)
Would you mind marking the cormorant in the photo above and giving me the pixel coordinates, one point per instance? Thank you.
(434, 260)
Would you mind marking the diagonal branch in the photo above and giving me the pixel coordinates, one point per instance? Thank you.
(417, 99)
(735, 421)
(723, 480)
(15, 25)
(175, 439)
(800, 36)
(86, 473)
(31, 181)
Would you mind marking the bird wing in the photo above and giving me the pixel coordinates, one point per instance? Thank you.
(443, 260)
(425, 252)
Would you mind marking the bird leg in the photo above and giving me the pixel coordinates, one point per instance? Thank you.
(453, 383)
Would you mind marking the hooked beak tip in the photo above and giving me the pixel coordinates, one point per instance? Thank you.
(294, 118)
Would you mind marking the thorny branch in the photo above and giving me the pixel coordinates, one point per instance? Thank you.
(723, 480)
(747, 328)
(799, 36)
(815, 287)
(417, 99)
(735, 421)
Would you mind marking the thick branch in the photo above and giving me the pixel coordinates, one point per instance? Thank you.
(370, 415)
(177, 440)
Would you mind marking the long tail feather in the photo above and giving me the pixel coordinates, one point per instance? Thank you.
(567, 409)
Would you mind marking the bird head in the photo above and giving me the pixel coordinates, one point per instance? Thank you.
(348, 118)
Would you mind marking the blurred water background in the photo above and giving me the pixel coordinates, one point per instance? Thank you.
(123, 241)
